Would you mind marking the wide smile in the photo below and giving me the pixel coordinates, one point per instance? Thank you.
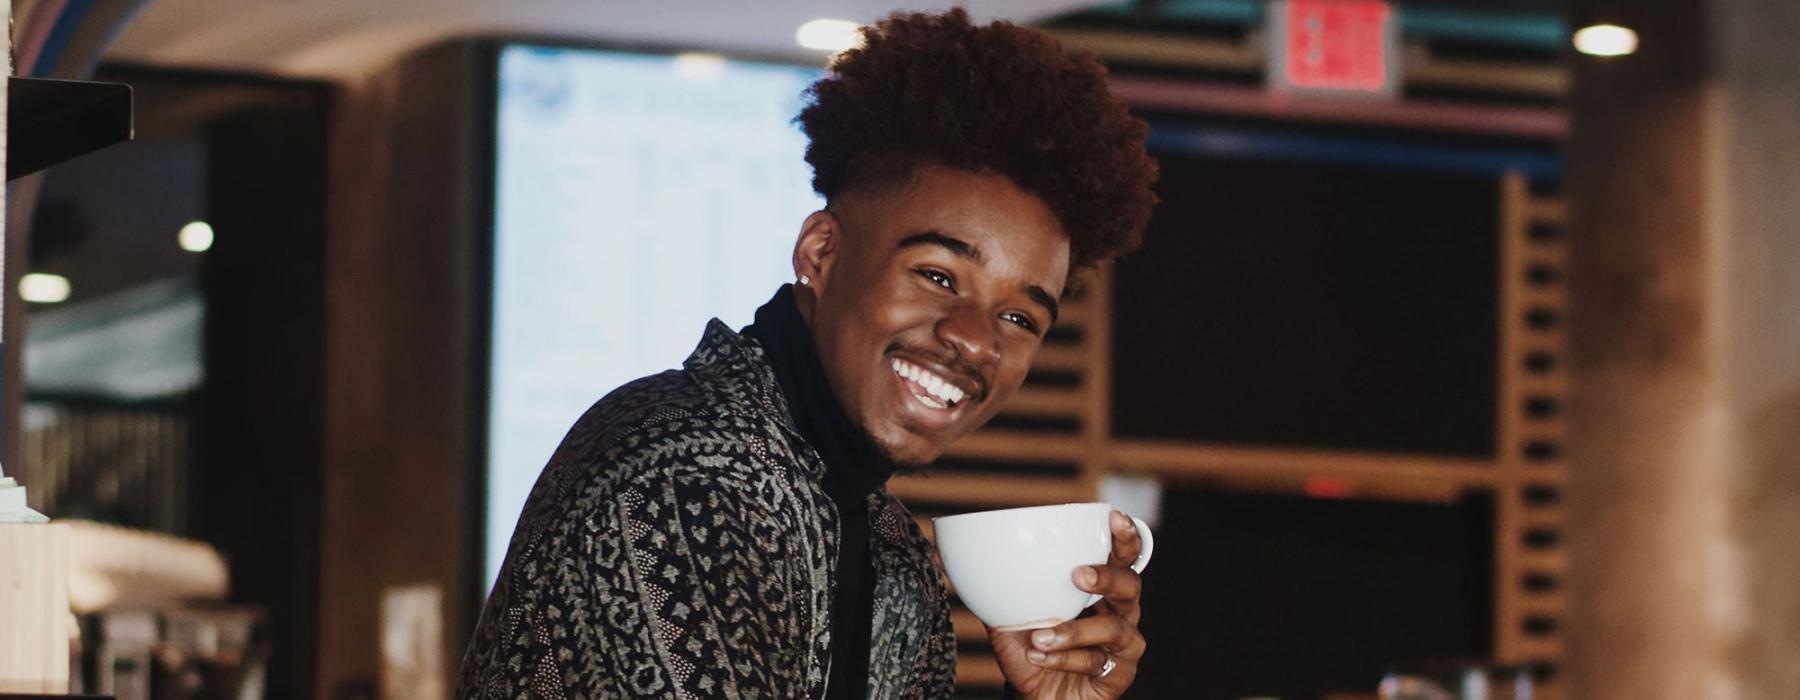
(932, 396)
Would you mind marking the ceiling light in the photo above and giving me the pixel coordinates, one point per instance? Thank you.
(44, 288)
(1606, 40)
(699, 66)
(195, 237)
(829, 35)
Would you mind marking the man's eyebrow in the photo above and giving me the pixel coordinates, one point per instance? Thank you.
(955, 245)
(1043, 297)
(962, 249)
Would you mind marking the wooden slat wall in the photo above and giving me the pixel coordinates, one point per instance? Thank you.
(1530, 561)
(129, 460)
(1526, 476)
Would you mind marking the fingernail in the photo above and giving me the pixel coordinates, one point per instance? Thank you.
(1086, 575)
(1038, 656)
(1120, 520)
(1043, 638)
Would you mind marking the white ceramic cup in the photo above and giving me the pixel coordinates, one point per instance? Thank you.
(1015, 568)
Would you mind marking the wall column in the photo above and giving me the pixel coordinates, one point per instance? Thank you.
(1685, 350)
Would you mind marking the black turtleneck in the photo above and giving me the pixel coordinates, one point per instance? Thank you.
(854, 468)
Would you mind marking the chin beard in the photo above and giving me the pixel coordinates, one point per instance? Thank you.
(898, 464)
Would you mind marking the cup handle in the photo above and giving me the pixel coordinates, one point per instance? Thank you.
(1143, 557)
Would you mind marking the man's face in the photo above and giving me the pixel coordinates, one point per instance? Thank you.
(928, 301)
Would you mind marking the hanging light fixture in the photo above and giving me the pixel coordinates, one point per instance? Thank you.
(1606, 40)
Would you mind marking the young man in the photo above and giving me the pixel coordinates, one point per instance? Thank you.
(722, 530)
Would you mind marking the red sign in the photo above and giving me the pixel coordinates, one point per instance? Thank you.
(1334, 45)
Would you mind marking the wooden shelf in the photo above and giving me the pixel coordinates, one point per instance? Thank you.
(1189, 460)
(987, 491)
(1018, 446)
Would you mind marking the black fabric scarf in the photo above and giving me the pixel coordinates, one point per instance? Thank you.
(854, 468)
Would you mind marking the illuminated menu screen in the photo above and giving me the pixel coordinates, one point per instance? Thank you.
(636, 197)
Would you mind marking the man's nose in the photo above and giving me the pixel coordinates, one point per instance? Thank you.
(972, 333)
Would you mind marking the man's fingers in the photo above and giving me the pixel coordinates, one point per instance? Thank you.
(1086, 662)
(1119, 585)
(1108, 633)
(1125, 541)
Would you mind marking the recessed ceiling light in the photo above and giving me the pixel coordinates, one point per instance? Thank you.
(699, 65)
(1606, 40)
(195, 237)
(829, 35)
(44, 288)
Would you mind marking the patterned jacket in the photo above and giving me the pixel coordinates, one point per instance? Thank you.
(679, 545)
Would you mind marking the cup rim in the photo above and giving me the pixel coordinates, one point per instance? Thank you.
(983, 514)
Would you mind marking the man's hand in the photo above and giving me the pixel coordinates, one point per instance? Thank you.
(1066, 661)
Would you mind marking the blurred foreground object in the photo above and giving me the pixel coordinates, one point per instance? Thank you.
(412, 643)
(175, 652)
(34, 604)
(111, 567)
(1456, 680)
(12, 503)
(51, 121)
(152, 624)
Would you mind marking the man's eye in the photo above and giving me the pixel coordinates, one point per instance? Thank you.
(938, 277)
(1022, 320)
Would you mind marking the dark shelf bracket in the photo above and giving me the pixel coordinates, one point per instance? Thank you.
(51, 121)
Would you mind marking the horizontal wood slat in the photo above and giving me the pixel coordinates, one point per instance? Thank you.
(1550, 430)
(1552, 561)
(1546, 211)
(1017, 446)
(1544, 384)
(1074, 315)
(983, 491)
(1044, 401)
(1546, 297)
(1423, 69)
(1059, 358)
(1175, 51)
(1543, 604)
(1543, 517)
(1190, 459)
(1548, 474)
(968, 628)
(1545, 255)
(1535, 649)
(978, 671)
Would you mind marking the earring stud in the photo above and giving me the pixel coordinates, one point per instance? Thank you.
(804, 280)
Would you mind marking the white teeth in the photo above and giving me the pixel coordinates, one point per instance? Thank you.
(945, 392)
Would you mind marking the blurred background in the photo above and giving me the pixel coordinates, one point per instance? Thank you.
(1461, 345)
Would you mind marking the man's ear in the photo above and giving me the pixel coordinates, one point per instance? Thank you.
(815, 253)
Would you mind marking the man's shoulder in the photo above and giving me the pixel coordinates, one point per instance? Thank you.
(674, 415)
(655, 409)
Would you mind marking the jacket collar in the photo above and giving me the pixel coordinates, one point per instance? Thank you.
(735, 371)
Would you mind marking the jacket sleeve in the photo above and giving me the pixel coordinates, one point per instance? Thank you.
(676, 582)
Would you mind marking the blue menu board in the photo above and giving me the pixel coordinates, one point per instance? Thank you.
(636, 197)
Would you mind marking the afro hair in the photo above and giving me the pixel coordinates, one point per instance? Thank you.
(999, 98)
